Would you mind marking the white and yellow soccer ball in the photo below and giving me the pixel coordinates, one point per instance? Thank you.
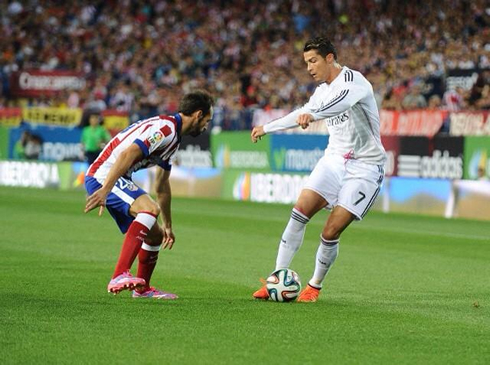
(283, 285)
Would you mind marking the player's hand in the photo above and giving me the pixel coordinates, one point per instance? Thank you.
(168, 238)
(97, 199)
(304, 120)
(257, 133)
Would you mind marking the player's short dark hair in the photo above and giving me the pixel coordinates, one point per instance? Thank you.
(194, 101)
(322, 45)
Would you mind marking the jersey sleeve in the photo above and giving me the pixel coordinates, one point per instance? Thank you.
(289, 120)
(286, 122)
(156, 136)
(340, 101)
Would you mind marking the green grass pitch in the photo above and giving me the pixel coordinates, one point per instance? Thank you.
(404, 290)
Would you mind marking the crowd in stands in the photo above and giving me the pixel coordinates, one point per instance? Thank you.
(140, 57)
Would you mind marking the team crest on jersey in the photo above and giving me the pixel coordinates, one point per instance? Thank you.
(126, 184)
(155, 138)
(132, 187)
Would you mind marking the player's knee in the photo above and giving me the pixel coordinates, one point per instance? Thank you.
(331, 232)
(152, 208)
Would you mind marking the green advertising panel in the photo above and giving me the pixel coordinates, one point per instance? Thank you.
(263, 187)
(236, 185)
(235, 150)
(4, 142)
(477, 158)
(72, 175)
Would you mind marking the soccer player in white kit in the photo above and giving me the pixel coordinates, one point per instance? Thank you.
(348, 178)
(149, 142)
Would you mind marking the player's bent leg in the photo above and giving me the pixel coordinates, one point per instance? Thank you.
(145, 211)
(148, 254)
(144, 203)
(147, 260)
(327, 252)
(308, 204)
(337, 222)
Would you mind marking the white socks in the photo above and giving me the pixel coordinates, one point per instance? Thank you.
(325, 257)
(291, 241)
(146, 219)
(292, 238)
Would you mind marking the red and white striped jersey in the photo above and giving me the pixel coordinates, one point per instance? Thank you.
(158, 137)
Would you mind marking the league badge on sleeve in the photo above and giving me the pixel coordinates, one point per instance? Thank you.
(155, 138)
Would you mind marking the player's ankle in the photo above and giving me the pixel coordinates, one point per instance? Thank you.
(315, 284)
(142, 289)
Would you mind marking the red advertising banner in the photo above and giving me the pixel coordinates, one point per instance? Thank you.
(33, 83)
(10, 117)
(392, 148)
(469, 124)
(411, 123)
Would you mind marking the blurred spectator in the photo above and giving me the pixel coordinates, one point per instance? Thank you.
(391, 101)
(434, 103)
(94, 138)
(453, 99)
(28, 147)
(33, 147)
(73, 100)
(19, 147)
(484, 102)
(414, 99)
(122, 99)
(141, 57)
(479, 93)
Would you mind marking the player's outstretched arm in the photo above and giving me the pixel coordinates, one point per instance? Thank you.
(164, 198)
(283, 123)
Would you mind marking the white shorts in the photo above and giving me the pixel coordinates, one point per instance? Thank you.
(352, 184)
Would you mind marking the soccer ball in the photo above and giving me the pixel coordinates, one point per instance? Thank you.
(283, 285)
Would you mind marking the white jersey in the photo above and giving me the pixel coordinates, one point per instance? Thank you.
(157, 137)
(349, 108)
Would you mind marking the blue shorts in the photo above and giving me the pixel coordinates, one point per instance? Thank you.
(119, 200)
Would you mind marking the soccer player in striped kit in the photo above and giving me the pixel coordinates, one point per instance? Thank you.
(348, 178)
(108, 182)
